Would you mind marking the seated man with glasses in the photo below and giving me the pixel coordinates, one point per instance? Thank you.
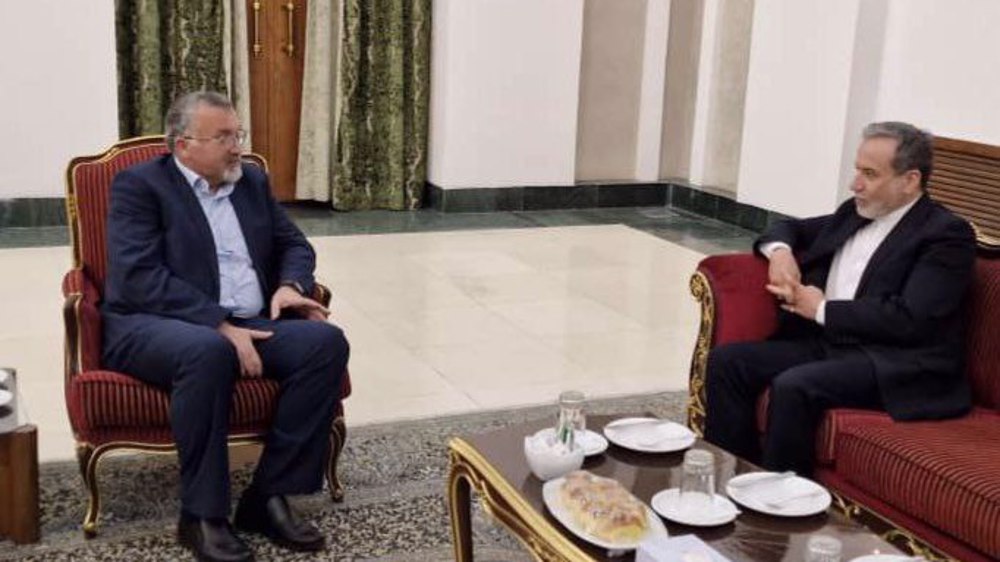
(206, 282)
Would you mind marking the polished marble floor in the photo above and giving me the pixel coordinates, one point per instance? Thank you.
(446, 313)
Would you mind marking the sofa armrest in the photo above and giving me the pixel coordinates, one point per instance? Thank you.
(82, 324)
(735, 307)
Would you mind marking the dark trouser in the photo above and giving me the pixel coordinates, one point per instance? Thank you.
(806, 377)
(200, 368)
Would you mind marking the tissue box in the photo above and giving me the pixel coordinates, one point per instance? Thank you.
(8, 413)
(681, 548)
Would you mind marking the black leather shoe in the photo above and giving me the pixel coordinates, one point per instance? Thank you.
(274, 518)
(212, 540)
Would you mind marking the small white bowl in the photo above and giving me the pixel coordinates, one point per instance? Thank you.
(548, 461)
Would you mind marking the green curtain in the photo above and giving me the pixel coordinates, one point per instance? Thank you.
(165, 48)
(381, 148)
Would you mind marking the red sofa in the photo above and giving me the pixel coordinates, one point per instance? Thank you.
(930, 487)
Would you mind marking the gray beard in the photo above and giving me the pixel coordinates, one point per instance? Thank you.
(233, 174)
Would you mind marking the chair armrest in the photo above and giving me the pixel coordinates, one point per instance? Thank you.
(321, 294)
(82, 324)
(735, 306)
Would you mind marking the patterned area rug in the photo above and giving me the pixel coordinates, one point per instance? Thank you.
(395, 509)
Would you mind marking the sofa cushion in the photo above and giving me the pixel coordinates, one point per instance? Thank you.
(833, 421)
(941, 472)
(984, 324)
(110, 406)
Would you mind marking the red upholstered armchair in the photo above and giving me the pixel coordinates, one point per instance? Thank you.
(930, 487)
(111, 411)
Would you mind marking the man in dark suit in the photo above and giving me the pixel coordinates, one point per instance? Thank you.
(871, 300)
(206, 282)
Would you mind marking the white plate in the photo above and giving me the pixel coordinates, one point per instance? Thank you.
(666, 503)
(809, 497)
(884, 558)
(649, 435)
(5, 397)
(553, 501)
(593, 443)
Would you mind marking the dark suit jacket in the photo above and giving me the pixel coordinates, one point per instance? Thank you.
(161, 255)
(907, 314)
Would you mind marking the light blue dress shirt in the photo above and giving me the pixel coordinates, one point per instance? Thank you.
(239, 288)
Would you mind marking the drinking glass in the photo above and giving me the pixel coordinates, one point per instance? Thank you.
(823, 548)
(571, 417)
(697, 480)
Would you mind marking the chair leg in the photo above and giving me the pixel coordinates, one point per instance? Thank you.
(88, 469)
(338, 435)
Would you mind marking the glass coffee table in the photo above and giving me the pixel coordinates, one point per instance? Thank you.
(493, 465)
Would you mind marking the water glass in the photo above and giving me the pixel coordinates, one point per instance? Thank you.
(571, 417)
(697, 480)
(823, 548)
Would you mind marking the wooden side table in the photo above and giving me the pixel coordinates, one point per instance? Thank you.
(19, 484)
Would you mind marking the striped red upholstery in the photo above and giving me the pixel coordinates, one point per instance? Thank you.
(942, 472)
(982, 363)
(106, 401)
(87, 346)
(92, 182)
(828, 427)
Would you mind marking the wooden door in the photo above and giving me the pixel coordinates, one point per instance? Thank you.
(276, 43)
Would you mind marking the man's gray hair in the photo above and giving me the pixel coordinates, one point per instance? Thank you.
(914, 147)
(179, 115)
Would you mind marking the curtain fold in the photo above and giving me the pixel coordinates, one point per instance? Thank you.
(237, 63)
(165, 48)
(318, 123)
(384, 83)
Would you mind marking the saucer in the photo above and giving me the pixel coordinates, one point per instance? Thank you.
(649, 435)
(667, 504)
(777, 494)
(884, 558)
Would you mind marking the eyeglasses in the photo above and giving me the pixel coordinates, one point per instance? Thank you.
(227, 140)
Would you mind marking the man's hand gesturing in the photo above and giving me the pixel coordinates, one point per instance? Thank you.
(782, 269)
(288, 298)
(785, 283)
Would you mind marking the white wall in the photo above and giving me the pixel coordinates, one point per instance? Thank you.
(941, 67)
(654, 70)
(504, 92)
(796, 105)
(58, 96)
(820, 71)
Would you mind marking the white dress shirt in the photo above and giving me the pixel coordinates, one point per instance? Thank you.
(851, 259)
(239, 288)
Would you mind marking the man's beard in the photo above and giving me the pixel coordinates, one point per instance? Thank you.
(233, 175)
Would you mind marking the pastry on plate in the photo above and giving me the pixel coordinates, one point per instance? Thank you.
(603, 508)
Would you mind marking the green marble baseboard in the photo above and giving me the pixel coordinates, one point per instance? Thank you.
(722, 208)
(51, 211)
(544, 198)
(32, 211)
(672, 194)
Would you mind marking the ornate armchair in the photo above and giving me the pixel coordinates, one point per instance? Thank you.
(110, 411)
